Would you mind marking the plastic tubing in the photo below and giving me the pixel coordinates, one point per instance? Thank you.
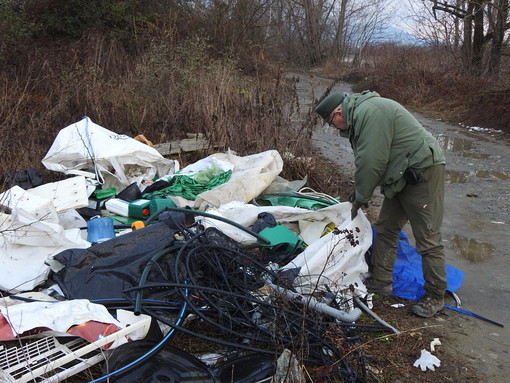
(319, 306)
(209, 215)
(152, 351)
(365, 308)
(145, 274)
(298, 195)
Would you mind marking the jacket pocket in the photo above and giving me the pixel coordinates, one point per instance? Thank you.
(396, 168)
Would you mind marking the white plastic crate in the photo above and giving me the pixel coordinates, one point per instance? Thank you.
(47, 360)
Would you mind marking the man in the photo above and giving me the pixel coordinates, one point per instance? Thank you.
(392, 150)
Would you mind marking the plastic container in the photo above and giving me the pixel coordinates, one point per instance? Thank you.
(158, 204)
(100, 229)
(139, 209)
(117, 206)
(131, 193)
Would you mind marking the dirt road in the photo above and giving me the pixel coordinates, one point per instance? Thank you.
(476, 227)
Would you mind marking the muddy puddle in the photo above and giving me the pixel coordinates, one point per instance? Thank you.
(475, 226)
(471, 249)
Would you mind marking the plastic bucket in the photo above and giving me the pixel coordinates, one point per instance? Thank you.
(100, 229)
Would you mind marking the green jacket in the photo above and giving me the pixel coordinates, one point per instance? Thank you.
(386, 140)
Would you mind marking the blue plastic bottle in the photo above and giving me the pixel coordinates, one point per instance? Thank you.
(100, 229)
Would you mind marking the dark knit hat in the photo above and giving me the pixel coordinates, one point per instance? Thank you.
(329, 104)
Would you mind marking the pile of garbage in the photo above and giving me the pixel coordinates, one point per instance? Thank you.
(128, 253)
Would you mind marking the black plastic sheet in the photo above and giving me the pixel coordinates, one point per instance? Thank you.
(105, 270)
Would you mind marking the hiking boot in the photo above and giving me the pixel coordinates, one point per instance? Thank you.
(427, 306)
(375, 286)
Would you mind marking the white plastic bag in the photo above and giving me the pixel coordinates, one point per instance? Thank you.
(251, 175)
(336, 261)
(116, 160)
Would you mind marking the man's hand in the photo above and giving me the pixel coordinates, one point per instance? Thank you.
(355, 207)
(352, 196)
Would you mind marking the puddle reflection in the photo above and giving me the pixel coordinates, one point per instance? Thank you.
(460, 177)
(489, 174)
(454, 144)
(471, 249)
(475, 155)
(454, 177)
(462, 146)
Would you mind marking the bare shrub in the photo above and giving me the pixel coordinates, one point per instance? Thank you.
(164, 92)
(430, 80)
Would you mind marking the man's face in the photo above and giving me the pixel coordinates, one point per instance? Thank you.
(336, 119)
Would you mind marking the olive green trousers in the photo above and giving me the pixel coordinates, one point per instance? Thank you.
(422, 205)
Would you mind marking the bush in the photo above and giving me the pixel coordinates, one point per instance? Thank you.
(165, 92)
(429, 80)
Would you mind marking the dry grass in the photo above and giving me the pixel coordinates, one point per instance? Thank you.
(392, 356)
(164, 92)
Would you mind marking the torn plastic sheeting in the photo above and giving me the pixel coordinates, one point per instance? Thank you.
(105, 270)
(120, 160)
(188, 187)
(59, 317)
(281, 185)
(293, 199)
(30, 235)
(252, 174)
(208, 164)
(78, 317)
(336, 261)
(24, 267)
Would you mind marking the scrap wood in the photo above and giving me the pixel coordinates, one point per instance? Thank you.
(191, 144)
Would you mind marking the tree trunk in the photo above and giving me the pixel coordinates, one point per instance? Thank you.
(476, 60)
(467, 46)
(501, 15)
(338, 42)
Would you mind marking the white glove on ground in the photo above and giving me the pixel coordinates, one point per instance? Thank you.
(427, 360)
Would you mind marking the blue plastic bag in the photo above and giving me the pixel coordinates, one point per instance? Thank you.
(408, 275)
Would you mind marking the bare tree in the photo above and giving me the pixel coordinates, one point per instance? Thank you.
(315, 30)
(484, 22)
(365, 23)
(498, 25)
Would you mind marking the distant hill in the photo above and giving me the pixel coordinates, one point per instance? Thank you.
(391, 34)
